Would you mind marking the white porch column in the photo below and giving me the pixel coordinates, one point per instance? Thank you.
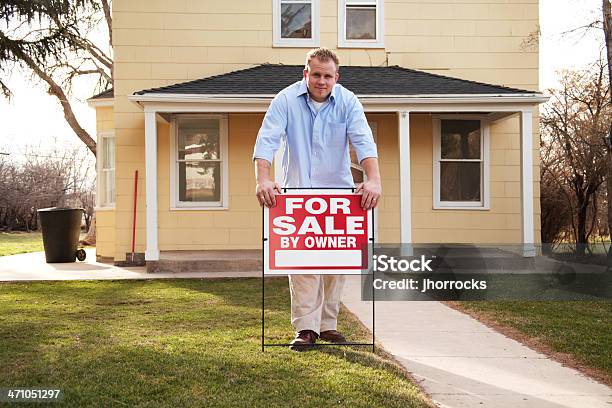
(152, 249)
(527, 183)
(404, 165)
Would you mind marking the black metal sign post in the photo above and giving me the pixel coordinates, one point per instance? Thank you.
(263, 286)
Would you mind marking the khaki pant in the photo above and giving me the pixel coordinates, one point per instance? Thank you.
(315, 301)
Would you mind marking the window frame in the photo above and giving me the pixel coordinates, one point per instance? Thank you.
(175, 203)
(379, 42)
(484, 203)
(278, 41)
(102, 193)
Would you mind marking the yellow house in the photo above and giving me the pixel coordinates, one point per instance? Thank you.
(449, 88)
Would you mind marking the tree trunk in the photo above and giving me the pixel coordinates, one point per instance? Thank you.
(581, 224)
(90, 237)
(607, 27)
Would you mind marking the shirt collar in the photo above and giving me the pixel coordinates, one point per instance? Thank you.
(303, 89)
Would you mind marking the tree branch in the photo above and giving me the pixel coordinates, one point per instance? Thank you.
(58, 92)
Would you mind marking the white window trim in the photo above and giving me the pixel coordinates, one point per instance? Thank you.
(484, 204)
(99, 170)
(277, 41)
(175, 204)
(379, 42)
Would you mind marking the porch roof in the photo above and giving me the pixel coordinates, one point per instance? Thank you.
(395, 81)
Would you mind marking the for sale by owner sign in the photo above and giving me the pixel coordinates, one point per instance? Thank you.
(317, 232)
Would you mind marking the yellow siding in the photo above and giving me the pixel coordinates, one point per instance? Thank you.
(105, 219)
(104, 119)
(157, 42)
(105, 233)
(389, 208)
(236, 228)
(500, 224)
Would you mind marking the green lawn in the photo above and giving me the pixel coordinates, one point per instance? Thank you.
(182, 343)
(582, 329)
(20, 242)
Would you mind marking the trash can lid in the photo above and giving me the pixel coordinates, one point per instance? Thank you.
(59, 209)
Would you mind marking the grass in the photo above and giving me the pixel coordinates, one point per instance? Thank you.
(182, 343)
(12, 243)
(581, 329)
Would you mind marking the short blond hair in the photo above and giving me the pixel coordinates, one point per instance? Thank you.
(322, 54)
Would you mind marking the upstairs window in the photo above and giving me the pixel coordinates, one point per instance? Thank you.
(360, 23)
(296, 23)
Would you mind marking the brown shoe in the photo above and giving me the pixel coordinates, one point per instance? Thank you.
(332, 336)
(304, 340)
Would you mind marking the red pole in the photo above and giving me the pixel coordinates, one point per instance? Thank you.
(134, 223)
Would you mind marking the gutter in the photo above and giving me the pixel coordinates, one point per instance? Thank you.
(534, 98)
(100, 102)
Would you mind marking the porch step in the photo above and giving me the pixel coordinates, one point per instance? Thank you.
(208, 261)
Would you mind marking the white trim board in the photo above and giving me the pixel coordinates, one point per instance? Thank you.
(403, 136)
(100, 103)
(422, 98)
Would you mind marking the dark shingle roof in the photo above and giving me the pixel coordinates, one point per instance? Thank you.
(109, 93)
(269, 79)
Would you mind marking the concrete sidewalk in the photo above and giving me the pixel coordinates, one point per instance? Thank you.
(32, 266)
(462, 363)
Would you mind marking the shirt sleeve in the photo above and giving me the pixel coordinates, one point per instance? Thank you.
(273, 127)
(359, 131)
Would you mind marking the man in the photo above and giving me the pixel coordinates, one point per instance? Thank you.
(316, 118)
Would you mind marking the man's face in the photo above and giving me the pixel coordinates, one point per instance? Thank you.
(321, 78)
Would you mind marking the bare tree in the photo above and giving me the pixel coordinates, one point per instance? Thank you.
(574, 125)
(42, 179)
(607, 28)
(52, 40)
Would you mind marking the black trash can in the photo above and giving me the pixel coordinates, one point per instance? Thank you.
(61, 228)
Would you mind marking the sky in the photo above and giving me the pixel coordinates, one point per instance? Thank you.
(33, 117)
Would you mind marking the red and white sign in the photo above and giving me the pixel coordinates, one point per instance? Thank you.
(316, 232)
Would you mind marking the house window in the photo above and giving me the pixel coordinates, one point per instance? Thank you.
(200, 162)
(360, 23)
(106, 169)
(296, 23)
(356, 169)
(460, 163)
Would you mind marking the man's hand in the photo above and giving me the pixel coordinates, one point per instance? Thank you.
(266, 192)
(371, 191)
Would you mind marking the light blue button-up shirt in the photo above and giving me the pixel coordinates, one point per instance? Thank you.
(316, 144)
